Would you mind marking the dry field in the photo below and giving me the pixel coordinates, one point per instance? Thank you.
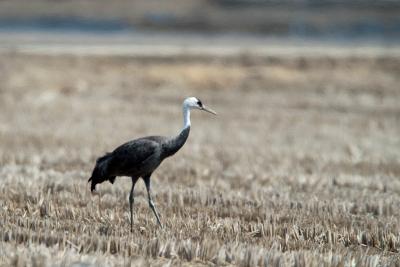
(300, 168)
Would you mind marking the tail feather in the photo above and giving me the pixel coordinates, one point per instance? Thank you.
(100, 171)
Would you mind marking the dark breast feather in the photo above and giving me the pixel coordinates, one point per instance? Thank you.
(132, 158)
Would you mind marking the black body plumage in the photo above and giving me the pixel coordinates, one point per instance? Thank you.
(139, 158)
(136, 158)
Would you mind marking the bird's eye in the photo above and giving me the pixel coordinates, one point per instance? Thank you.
(199, 103)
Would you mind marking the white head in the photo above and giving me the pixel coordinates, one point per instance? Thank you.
(193, 103)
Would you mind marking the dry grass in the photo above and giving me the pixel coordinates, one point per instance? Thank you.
(301, 167)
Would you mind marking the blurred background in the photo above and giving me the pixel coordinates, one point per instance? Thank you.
(343, 20)
(190, 22)
(302, 164)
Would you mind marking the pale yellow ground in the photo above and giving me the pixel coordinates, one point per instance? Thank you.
(301, 167)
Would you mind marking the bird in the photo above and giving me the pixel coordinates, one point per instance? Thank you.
(139, 158)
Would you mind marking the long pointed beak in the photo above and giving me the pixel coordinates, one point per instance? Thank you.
(209, 110)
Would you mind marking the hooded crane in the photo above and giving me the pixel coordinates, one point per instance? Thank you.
(140, 157)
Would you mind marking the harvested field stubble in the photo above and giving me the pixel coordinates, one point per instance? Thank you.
(300, 168)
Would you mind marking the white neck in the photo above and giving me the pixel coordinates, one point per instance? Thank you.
(186, 117)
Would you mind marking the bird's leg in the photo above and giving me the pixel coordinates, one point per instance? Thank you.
(98, 194)
(151, 203)
(131, 200)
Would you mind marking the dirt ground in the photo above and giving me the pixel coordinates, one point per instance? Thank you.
(300, 168)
